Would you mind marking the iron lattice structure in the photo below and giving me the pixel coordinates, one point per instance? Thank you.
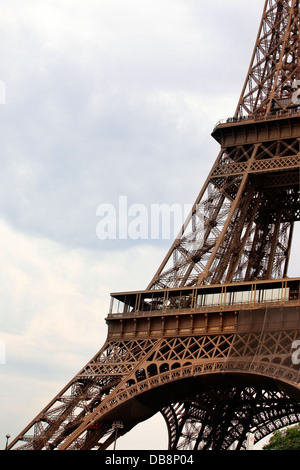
(210, 343)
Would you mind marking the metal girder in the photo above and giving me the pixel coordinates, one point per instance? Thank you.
(210, 342)
(222, 419)
(272, 78)
(198, 353)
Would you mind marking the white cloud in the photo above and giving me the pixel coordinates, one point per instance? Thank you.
(56, 294)
(53, 303)
(103, 98)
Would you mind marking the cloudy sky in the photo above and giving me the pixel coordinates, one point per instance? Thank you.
(103, 98)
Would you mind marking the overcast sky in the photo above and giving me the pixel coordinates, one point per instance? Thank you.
(103, 98)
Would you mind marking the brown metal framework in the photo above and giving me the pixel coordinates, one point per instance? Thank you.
(210, 342)
(246, 231)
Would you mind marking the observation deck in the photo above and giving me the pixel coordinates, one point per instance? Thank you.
(284, 124)
(203, 309)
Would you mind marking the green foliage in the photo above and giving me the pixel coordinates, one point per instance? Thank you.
(288, 439)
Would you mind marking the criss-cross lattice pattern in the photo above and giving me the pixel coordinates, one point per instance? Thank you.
(212, 383)
(222, 419)
(272, 81)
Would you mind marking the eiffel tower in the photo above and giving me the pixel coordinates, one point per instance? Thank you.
(213, 342)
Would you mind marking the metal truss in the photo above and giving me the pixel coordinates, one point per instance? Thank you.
(222, 418)
(148, 375)
(244, 230)
(219, 367)
(274, 69)
(241, 228)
